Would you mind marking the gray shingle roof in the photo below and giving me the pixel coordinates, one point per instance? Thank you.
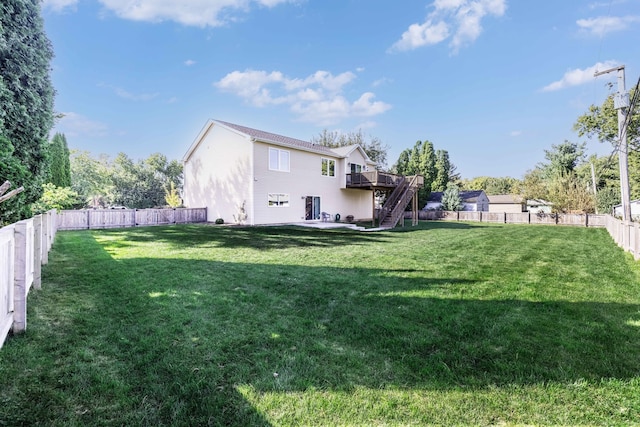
(279, 139)
(505, 199)
(466, 196)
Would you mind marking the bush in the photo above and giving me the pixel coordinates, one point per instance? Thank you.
(219, 221)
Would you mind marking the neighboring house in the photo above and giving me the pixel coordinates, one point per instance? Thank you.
(474, 201)
(635, 209)
(509, 203)
(539, 206)
(245, 175)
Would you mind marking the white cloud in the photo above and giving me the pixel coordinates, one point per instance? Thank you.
(189, 62)
(76, 125)
(579, 76)
(460, 20)
(515, 133)
(606, 24)
(59, 5)
(125, 94)
(317, 98)
(200, 13)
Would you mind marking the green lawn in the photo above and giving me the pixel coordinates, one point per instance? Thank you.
(445, 323)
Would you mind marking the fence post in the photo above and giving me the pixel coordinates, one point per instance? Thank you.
(636, 241)
(37, 251)
(20, 278)
(45, 239)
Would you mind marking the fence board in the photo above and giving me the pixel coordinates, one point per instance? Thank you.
(7, 254)
(120, 218)
(23, 248)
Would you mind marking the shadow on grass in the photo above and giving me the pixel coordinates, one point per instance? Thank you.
(276, 237)
(170, 341)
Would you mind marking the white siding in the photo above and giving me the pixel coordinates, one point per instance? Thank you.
(218, 174)
(304, 179)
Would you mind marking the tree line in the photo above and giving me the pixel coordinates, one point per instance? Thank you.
(52, 176)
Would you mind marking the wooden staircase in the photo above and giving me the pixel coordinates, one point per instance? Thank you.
(394, 207)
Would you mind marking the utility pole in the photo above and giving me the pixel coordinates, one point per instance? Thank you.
(621, 103)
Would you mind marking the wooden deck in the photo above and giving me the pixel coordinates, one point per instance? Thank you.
(375, 180)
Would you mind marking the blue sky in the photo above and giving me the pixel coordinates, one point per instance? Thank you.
(494, 82)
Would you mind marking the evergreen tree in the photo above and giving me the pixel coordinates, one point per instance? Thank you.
(427, 166)
(443, 171)
(451, 200)
(26, 95)
(402, 165)
(12, 170)
(59, 161)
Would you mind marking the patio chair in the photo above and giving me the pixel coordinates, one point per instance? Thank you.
(325, 216)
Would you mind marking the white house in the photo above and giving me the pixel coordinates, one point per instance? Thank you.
(249, 176)
(474, 201)
(634, 205)
(539, 206)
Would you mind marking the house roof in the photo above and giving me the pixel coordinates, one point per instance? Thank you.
(281, 140)
(505, 199)
(274, 138)
(538, 202)
(466, 196)
(345, 151)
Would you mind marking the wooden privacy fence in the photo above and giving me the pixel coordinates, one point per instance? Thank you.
(119, 218)
(24, 247)
(584, 220)
(625, 234)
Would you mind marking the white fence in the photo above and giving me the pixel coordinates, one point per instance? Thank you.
(24, 247)
(119, 218)
(625, 234)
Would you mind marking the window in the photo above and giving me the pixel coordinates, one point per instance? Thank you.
(278, 200)
(328, 167)
(278, 160)
(356, 168)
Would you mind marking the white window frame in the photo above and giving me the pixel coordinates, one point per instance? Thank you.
(278, 200)
(279, 160)
(329, 172)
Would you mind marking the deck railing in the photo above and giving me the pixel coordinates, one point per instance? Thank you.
(373, 179)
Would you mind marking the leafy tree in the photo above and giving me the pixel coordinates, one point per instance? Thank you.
(570, 194)
(374, 147)
(563, 158)
(493, 185)
(534, 185)
(55, 198)
(26, 96)
(60, 165)
(606, 199)
(172, 197)
(123, 181)
(559, 182)
(91, 179)
(451, 200)
(602, 122)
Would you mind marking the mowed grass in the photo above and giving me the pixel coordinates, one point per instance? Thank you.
(440, 324)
